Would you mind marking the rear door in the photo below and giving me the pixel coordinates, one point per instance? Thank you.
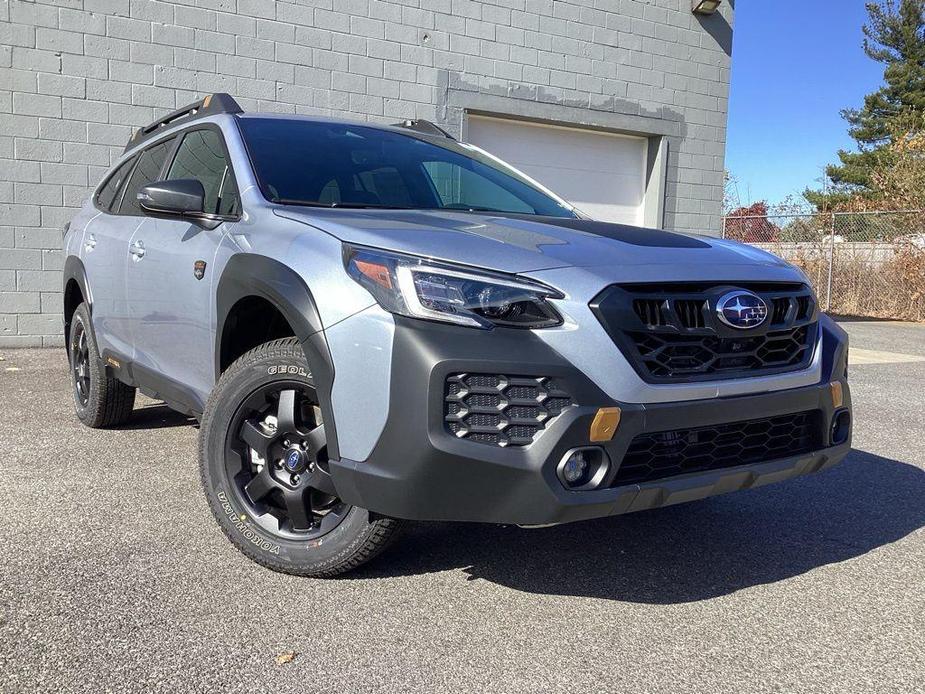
(105, 254)
(171, 276)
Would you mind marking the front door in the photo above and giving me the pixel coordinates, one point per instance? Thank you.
(171, 276)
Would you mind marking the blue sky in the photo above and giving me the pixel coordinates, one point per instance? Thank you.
(795, 65)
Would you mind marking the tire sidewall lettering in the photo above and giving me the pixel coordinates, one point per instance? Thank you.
(238, 522)
(288, 370)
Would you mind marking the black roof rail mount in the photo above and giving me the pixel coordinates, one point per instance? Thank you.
(209, 106)
(425, 127)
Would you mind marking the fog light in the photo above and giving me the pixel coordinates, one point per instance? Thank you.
(583, 468)
(841, 427)
(575, 467)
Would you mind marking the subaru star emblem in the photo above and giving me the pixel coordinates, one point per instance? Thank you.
(293, 461)
(741, 309)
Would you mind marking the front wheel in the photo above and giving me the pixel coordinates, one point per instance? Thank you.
(263, 461)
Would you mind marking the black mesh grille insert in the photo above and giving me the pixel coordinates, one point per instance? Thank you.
(668, 453)
(675, 356)
(501, 410)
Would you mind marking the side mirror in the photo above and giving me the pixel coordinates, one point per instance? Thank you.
(183, 197)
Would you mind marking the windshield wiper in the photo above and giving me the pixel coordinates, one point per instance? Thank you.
(368, 205)
(333, 205)
(374, 206)
(473, 208)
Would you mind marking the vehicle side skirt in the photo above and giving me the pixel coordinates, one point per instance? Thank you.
(175, 395)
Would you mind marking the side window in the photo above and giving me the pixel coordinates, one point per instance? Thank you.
(330, 193)
(459, 188)
(106, 195)
(147, 171)
(201, 156)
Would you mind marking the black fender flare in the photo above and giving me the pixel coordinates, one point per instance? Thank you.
(75, 271)
(249, 274)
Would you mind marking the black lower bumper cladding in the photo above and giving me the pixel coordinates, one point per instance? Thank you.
(673, 452)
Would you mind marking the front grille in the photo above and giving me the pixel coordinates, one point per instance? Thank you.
(663, 454)
(671, 332)
(675, 356)
(501, 410)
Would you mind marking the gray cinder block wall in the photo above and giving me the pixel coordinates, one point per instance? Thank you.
(77, 75)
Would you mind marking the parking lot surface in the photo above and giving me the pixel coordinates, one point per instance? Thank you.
(114, 576)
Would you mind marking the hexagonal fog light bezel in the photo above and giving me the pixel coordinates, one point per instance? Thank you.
(601, 463)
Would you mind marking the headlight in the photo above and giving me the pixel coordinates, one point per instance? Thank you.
(419, 288)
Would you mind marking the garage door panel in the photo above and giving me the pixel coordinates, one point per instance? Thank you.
(575, 185)
(553, 145)
(600, 173)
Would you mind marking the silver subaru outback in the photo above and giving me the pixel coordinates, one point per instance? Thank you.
(377, 324)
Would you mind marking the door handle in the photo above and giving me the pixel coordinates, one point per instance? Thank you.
(90, 243)
(137, 250)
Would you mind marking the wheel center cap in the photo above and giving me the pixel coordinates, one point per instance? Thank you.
(295, 461)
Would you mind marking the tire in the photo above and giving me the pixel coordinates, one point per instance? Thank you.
(101, 401)
(263, 465)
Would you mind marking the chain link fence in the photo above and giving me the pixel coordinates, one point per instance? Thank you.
(861, 264)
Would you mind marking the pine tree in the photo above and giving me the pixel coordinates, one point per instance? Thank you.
(894, 36)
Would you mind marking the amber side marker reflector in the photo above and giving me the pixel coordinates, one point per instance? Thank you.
(838, 396)
(605, 423)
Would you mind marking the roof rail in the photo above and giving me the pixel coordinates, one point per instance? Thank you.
(425, 127)
(212, 104)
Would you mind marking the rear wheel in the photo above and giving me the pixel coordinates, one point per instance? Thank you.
(264, 466)
(100, 401)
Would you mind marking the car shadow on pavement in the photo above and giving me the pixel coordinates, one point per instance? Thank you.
(684, 553)
(156, 417)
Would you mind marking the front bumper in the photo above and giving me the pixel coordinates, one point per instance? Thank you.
(419, 470)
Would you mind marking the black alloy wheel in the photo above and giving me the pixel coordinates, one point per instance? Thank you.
(80, 363)
(276, 462)
(100, 399)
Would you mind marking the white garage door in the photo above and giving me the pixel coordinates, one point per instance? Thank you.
(600, 173)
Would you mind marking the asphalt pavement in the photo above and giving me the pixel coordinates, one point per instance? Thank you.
(114, 576)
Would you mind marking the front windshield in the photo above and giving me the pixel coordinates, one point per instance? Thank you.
(315, 163)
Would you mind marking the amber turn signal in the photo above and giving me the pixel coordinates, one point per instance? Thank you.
(605, 423)
(377, 272)
(838, 395)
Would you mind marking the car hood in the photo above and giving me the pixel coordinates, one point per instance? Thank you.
(525, 244)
